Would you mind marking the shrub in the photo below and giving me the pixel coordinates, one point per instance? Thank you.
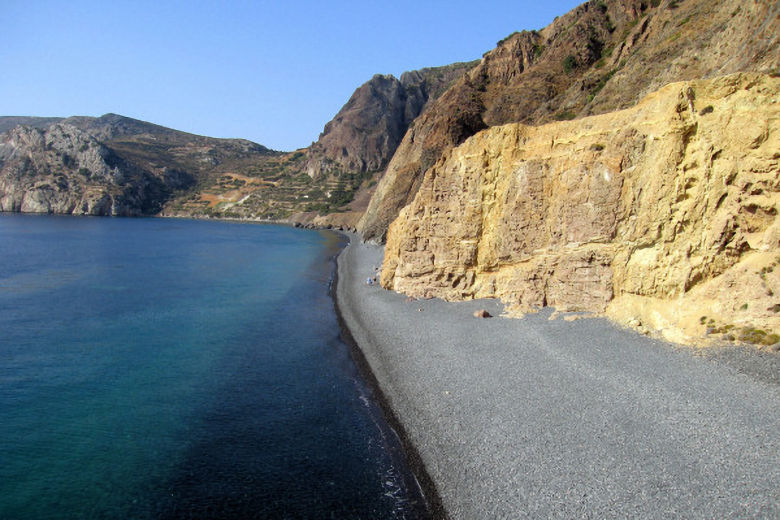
(600, 85)
(758, 336)
(502, 41)
(569, 63)
(565, 115)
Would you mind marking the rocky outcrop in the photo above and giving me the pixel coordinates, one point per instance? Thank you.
(602, 56)
(367, 130)
(65, 170)
(663, 216)
(344, 164)
(365, 133)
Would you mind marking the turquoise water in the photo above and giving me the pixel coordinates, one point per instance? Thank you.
(156, 368)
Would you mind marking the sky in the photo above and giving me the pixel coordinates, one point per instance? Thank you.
(271, 72)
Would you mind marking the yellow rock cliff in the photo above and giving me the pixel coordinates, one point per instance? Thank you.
(662, 216)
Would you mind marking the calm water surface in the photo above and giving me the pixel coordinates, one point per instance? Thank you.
(157, 368)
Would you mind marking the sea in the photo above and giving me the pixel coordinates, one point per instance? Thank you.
(171, 368)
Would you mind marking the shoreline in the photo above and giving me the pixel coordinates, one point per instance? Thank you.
(413, 459)
(202, 218)
(508, 418)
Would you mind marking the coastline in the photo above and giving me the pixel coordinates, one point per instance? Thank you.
(548, 418)
(413, 459)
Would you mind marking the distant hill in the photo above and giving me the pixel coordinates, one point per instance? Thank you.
(109, 165)
(9, 122)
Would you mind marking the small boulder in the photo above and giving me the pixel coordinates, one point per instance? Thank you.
(482, 313)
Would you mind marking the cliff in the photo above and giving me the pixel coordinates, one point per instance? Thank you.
(602, 56)
(662, 216)
(65, 170)
(110, 165)
(365, 133)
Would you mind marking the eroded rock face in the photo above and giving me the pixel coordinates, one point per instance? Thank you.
(366, 131)
(673, 200)
(62, 169)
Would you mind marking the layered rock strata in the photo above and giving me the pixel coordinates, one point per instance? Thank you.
(663, 215)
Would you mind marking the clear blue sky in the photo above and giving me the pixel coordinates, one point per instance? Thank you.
(272, 72)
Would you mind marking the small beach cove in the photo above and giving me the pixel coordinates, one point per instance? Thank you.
(539, 418)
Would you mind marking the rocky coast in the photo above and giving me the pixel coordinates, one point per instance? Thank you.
(562, 418)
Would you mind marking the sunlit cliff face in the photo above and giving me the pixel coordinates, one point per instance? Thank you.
(657, 215)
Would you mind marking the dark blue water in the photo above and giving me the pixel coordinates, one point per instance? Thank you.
(178, 369)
